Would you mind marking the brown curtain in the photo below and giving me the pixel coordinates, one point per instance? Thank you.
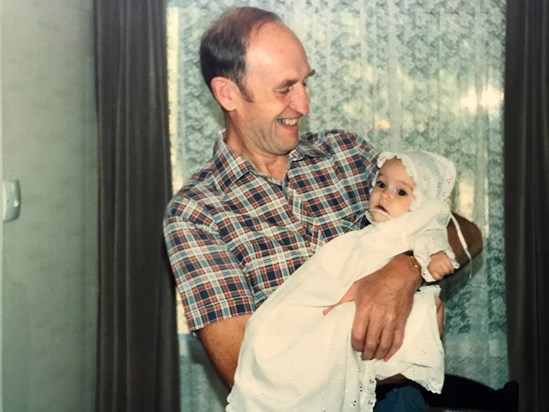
(138, 359)
(527, 198)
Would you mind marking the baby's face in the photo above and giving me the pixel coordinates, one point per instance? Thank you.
(393, 192)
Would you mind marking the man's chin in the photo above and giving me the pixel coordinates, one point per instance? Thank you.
(290, 143)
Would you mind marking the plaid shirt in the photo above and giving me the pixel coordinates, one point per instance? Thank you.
(233, 234)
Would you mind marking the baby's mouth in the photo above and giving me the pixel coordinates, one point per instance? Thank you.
(381, 210)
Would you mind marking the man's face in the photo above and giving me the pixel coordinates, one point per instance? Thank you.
(277, 71)
(393, 191)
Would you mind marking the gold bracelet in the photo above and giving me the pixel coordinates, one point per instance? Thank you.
(415, 263)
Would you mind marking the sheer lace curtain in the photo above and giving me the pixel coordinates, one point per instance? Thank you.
(405, 74)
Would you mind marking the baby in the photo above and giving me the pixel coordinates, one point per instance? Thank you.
(297, 353)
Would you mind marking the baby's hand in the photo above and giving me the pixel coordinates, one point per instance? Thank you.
(440, 265)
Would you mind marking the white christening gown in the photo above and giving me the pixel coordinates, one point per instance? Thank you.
(294, 358)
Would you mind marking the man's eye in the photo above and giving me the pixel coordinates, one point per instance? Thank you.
(284, 90)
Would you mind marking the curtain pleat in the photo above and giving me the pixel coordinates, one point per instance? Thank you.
(138, 360)
(527, 198)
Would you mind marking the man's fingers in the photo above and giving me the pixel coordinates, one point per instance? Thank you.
(385, 343)
(372, 339)
(371, 345)
(398, 338)
(376, 341)
(358, 333)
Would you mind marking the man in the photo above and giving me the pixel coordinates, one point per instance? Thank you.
(269, 197)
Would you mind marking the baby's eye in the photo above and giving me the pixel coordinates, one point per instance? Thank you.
(402, 192)
(381, 185)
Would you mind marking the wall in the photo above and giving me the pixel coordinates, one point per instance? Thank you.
(49, 265)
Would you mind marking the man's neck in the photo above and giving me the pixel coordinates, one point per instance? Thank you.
(271, 165)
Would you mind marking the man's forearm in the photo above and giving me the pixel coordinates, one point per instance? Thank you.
(222, 341)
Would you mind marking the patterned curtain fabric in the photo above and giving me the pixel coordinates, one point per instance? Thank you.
(405, 74)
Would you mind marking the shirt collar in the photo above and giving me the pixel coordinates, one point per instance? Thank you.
(228, 167)
(307, 148)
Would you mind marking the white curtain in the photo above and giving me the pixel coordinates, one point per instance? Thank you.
(405, 74)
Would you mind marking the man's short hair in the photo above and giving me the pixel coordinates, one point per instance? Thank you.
(224, 45)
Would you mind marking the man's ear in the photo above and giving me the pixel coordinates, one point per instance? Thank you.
(225, 92)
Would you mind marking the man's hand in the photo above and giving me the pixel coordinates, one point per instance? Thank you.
(472, 236)
(383, 302)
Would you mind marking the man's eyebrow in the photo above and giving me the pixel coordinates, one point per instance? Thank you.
(291, 82)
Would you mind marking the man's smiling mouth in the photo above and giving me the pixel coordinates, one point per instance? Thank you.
(288, 122)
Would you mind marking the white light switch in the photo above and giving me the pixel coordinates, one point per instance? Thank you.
(11, 200)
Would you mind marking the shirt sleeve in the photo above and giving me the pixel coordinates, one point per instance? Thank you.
(209, 279)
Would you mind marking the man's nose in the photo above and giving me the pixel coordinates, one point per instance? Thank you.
(300, 99)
